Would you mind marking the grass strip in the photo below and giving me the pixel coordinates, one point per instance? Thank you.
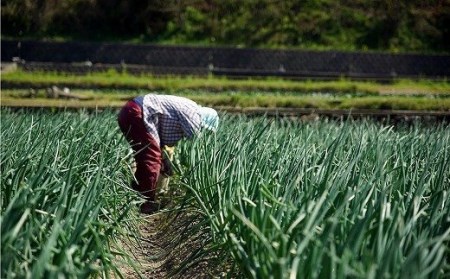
(94, 98)
(114, 79)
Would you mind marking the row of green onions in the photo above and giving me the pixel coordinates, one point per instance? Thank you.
(65, 202)
(284, 199)
(270, 198)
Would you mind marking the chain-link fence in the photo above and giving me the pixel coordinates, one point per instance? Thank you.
(82, 57)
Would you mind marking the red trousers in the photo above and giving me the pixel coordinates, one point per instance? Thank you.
(147, 151)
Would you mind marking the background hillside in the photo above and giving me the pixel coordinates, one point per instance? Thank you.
(381, 25)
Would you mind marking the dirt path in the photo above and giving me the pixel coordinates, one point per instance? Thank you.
(149, 255)
(157, 257)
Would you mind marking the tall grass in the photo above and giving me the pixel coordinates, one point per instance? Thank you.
(322, 200)
(64, 202)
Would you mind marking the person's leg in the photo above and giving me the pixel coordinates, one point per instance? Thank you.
(147, 150)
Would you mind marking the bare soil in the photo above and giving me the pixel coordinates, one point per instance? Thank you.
(157, 256)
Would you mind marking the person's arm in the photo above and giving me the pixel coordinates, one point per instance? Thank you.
(167, 156)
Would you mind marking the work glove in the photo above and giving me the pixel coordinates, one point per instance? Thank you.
(166, 168)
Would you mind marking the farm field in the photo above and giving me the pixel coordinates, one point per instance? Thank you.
(270, 198)
(111, 88)
(64, 203)
(325, 199)
(124, 80)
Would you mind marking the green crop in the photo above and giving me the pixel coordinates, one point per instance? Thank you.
(285, 199)
(64, 197)
(268, 198)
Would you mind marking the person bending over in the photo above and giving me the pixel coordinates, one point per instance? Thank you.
(151, 122)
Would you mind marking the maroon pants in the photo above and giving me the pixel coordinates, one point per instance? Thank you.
(147, 151)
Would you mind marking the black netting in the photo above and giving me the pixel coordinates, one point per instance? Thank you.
(81, 57)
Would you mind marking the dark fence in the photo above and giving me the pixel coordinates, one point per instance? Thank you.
(83, 56)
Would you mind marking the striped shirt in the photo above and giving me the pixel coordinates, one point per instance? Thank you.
(169, 118)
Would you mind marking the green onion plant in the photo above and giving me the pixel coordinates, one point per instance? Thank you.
(326, 199)
(64, 198)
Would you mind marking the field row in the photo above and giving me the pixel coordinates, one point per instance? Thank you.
(234, 100)
(271, 198)
(112, 79)
(65, 205)
(284, 199)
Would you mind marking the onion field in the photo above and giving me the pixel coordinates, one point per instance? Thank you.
(286, 199)
(64, 202)
(271, 198)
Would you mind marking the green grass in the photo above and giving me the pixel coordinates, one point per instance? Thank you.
(114, 79)
(286, 199)
(111, 89)
(116, 98)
